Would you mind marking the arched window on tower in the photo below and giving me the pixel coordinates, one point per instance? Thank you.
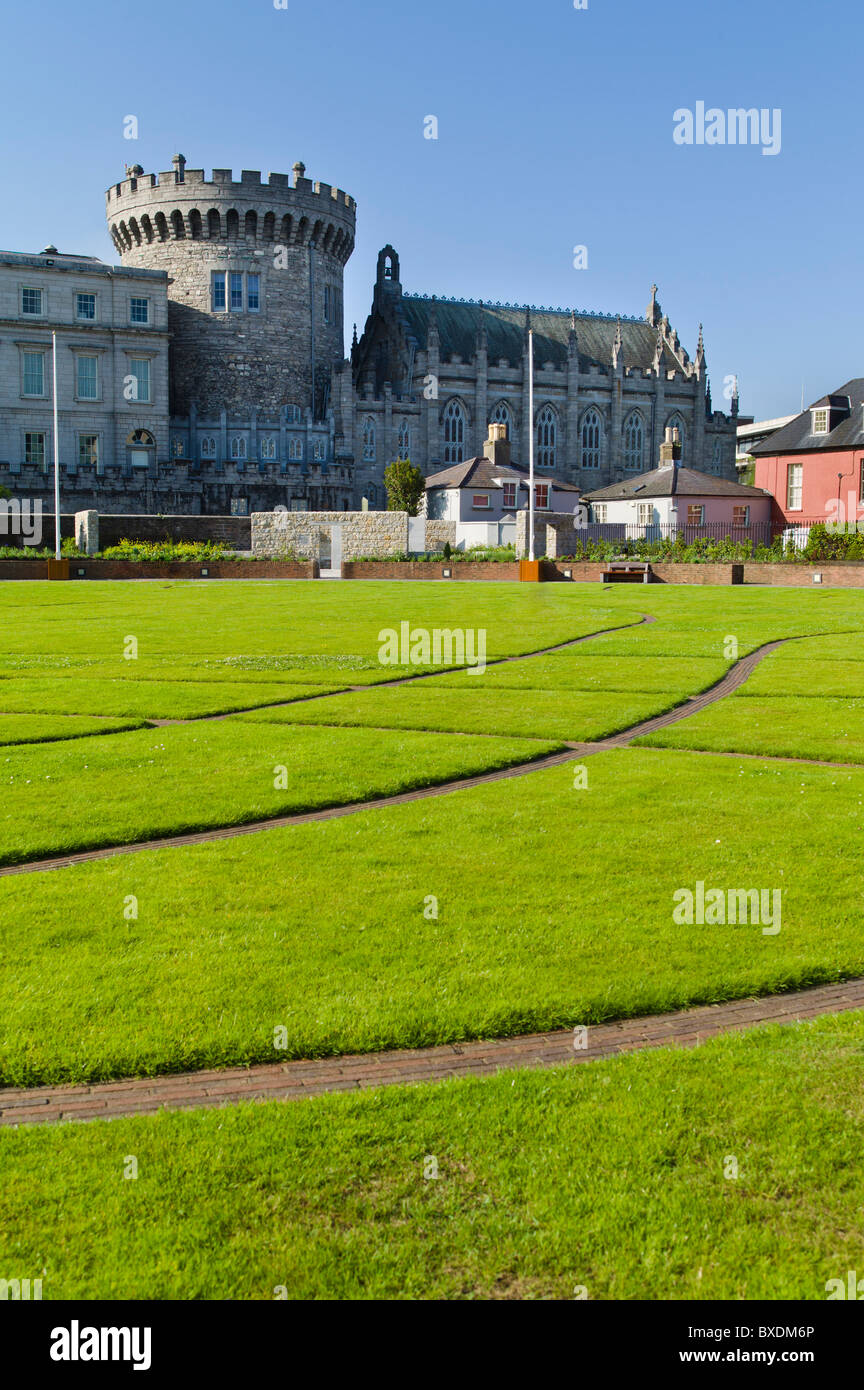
(238, 447)
(547, 437)
(369, 450)
(503, 415)
(634, 443)
(591, 436)
(454, 432)
(404, 440)
(268, 447)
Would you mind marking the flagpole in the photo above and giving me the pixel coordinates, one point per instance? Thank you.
(530, 444)
(56, 450)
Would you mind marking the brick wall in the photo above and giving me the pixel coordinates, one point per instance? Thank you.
(429, 569)
(843, 574)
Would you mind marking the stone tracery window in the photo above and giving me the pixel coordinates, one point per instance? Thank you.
(547, 437)
(454, 432)
(591, 436)
(634, 442)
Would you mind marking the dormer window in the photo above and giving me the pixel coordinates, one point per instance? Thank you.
(820, 421)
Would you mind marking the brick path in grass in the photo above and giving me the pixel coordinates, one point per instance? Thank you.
(575, 752)
(296, 1080)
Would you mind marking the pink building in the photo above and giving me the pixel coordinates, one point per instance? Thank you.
(814, 466)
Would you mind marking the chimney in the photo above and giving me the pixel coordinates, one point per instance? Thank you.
(670, 449)
(179, 163)
(497, 446)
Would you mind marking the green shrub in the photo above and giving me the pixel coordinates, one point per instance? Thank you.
(166, 550)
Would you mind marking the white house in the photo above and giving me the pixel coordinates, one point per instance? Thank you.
(483, 495)
(672, 499)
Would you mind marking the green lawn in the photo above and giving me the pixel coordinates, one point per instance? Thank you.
(609, 1178)
(580, 716)
(44, 728)
(578, 668)
(132, 786)
(146, 699)
(554, 908)
(780, 726)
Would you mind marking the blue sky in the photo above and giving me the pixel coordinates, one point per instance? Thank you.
(555, 130)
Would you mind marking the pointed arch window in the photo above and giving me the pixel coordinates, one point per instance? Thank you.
(503, 415)
(676, 423)
(238, 447)
(454, 432)
(547, 437)
(404, 440)
(591, 437)
(634, 443)
(369, 449)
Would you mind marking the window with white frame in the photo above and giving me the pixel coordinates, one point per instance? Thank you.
(217, 299)
(320, 450)
(253, 293)
(591, 438)
(268, 447)
(88, 450)
(509, 495)
(295, 450)
(369, 440)
(139, 309)
(634, 442)
(85, 307)
(32, 301)
(644, 513)
(480, 500)
(695, 514)
(454, 432)
(139, 372)
(86, 378)
(547, 437)
(33, 373)
(794, 486)
(503, 415)
(235, 285)
(238, 447)
(541, 495)
(208, 446)
(601, 511)
(404, 440)
(740, 516)
(820, 421)
(34, 448)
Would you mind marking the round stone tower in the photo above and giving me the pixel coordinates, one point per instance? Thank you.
(255, 290)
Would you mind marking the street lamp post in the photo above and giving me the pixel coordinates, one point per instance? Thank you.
(530, 444)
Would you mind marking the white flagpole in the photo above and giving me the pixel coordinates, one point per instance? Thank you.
(531, 444)
(56, 450)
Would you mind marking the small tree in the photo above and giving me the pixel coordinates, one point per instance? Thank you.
(405, 486)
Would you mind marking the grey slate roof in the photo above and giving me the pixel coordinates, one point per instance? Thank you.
(797, 436)
(482, 472)
(673, 482)
(459, 324)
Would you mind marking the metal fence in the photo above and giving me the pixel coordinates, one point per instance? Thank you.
(757, 533)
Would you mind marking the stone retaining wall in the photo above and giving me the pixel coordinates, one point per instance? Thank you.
(302, 533)
(837, 574)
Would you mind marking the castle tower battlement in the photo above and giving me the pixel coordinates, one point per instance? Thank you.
(256, 280)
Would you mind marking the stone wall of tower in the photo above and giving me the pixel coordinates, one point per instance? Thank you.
(295, 237)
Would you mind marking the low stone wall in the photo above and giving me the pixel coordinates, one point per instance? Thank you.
(235, 532)
(439, 533)
(430, 569)
(836, 574)
(173, 569)
(302, 533)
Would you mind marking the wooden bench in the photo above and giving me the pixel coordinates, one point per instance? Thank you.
(627, 572)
